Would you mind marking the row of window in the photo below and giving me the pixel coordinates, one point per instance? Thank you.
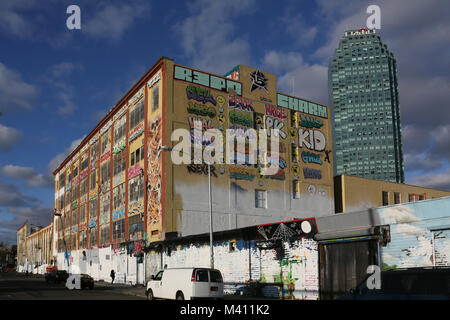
(397, 197)
(103, 236)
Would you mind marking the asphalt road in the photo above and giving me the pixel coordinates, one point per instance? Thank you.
(18, 286)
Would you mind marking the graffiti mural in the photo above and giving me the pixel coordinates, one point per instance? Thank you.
(154, 172)
(200, 94)
(240, 103)
(289, 230)
(312, 173)
(201, 110)
(259, 81)
(309, 157)
(201, 169)
(311, 139)
(241, 174)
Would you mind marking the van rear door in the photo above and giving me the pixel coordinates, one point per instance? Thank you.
(201, 283)
(216, 283)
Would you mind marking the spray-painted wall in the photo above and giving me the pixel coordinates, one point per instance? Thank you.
(420, 234)
(302, 186)
(289, 271)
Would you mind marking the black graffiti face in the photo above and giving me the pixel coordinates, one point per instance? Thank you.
(259, 81)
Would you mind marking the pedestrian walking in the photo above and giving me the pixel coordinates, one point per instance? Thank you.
(113, 275)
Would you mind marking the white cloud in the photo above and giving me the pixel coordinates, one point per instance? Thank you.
(28, 174)
(309, 81)
(208, 38)
(15, 94)
(56, 161)
(9, 137)
(440, 180)
(112, 20)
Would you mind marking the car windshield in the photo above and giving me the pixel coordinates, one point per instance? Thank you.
(159, 276)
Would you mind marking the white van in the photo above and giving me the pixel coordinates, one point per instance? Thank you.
(186, 283)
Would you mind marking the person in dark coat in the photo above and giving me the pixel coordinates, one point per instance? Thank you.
(113, 275)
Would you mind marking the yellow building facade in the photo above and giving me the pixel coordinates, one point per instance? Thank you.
(356, 193)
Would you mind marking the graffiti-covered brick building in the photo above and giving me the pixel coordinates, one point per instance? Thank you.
(119, 191)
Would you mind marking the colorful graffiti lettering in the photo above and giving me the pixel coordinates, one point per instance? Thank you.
(316, 139)
(310, 122)
(118, 214)
(201, 169)
(312, 173)
(242, 119)
(135, 207)
(201, 110)
(309, 157)
(241, 174)
(134, 171)
(276, 112)
(105, 156)
(272, 123)
(240, 103)
(206, 123)
(136, 132)
(199, 94)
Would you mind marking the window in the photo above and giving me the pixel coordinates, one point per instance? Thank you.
(73, 241)
(75, 192)
(137, 156)
(83, 213)
(155, 97)
(105, 142)
(68, 198)
(396, 197)
(93, 179)
(135, 227)
(215, 276)
(119, 231)
(105, 205)
(75, 217)
(132, 160)
(137, 114)
(119, 162)
(84, 163)
(83, 239)
(120, 128)
(260, 199)
(105, 171)
(84, 187)
(201, 276)
(136, 188)
(385, 195)
(119, 197)
(62, 180)
(94, 153)
(93, 208)
(159, 276)
(93, 236)
(104, 235)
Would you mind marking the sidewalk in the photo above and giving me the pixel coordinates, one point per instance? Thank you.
(136, 290)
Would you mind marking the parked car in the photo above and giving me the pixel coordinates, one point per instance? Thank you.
(86, 281)
(406, 284)
(56, 276)
(9, 268)
(186, 283)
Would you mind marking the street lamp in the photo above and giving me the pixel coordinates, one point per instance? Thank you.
(167, 148)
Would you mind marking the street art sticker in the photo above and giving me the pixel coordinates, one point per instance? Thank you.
(259, 81)
(312, 173)
(201, 110)
(154, 172)
(200, 94)
(240, 103)
(289, 230)
(241, 174)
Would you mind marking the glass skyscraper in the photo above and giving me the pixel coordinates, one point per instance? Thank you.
(362, 84)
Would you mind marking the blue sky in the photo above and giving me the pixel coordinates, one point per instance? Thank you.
(56, 84)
